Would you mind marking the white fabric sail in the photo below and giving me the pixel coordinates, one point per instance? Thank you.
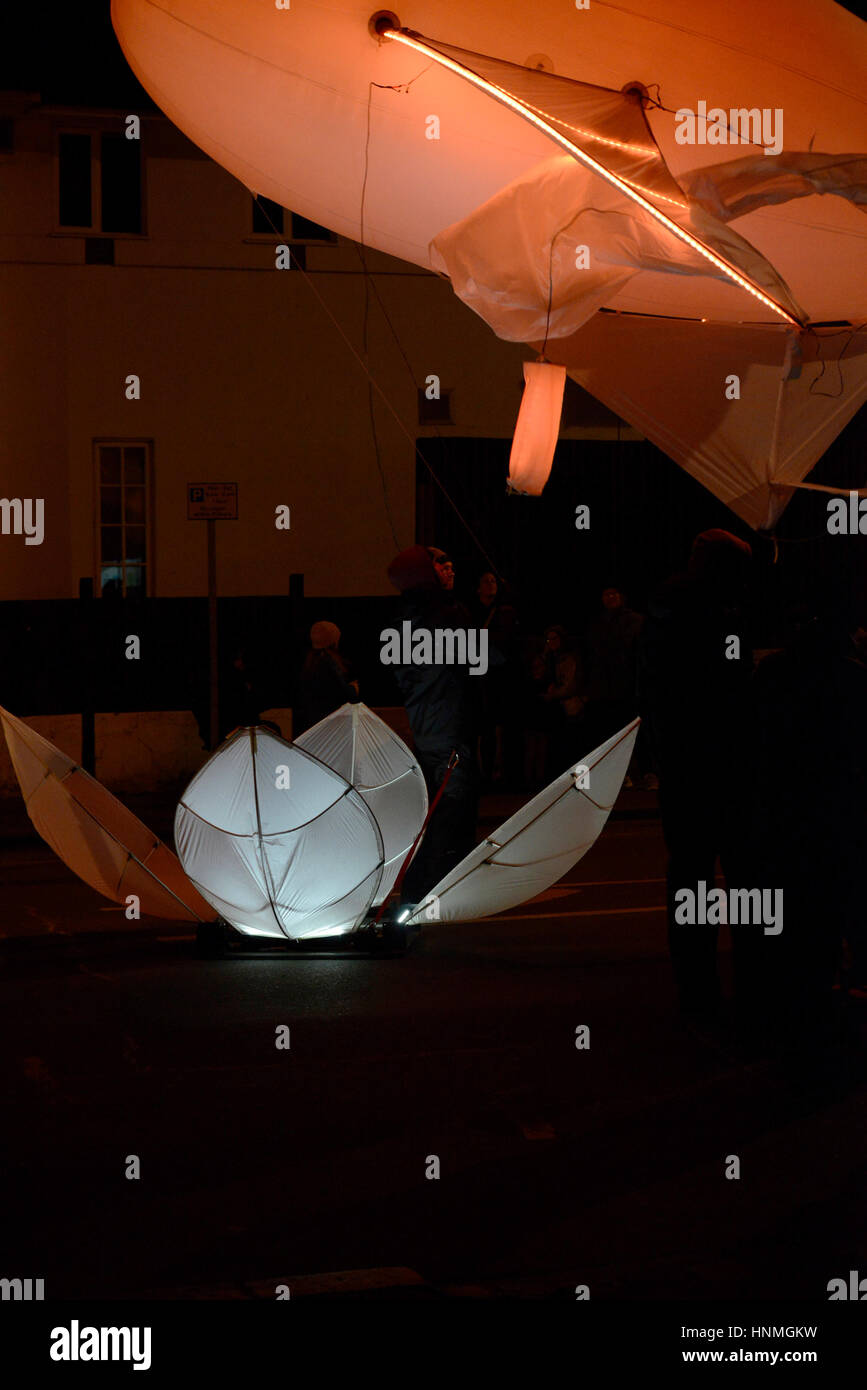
(752, 451)
(549, 250)
(539, 844)
(356, 743)
(277, 842)
(94, 834)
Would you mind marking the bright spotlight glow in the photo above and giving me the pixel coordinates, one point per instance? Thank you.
(325, 931)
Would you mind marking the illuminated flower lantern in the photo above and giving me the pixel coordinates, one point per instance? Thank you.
(361, 747)
(281, 844)
(538, 844)
(277, 842)
(94, 834)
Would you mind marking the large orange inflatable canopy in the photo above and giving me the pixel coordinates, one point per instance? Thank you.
(665, 194)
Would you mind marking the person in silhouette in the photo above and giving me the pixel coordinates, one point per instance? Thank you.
(564, 699)
(610, 687)
(325, 682)
(807, 817)
(694, 669)
(443, 712)
(499, 739)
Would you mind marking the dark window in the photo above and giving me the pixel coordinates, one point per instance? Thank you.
(436, 412)
(123, 518)
(75, 196)
(267, 216)
(7, 135)
(120, 184)
(305, 230)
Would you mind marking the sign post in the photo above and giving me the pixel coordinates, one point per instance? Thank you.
(212, 502)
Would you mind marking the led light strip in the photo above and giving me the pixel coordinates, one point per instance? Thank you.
(591, 135)
(410, 41)
(652, 193)
(617, 144)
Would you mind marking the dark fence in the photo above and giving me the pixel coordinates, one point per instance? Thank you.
(65, 656)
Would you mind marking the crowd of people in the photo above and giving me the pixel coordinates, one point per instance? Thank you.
(759, 767)
(547, 698)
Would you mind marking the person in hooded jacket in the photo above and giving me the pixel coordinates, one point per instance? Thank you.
(443, 715)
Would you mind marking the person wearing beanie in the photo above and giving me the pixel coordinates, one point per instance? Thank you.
(445, 570)
(442, 708)
(324, 636)
(325, 681)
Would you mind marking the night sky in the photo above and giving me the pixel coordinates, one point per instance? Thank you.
(69, 54)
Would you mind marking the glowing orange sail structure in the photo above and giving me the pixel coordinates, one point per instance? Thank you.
(567, 135)
(705, 262)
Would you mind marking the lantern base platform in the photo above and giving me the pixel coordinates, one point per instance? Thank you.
(384, 940)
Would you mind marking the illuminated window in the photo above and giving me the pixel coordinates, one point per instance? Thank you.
(123, 471)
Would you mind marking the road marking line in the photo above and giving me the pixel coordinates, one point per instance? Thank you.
(608, 882)
(587, 912)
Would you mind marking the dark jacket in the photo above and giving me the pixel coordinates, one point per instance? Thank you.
(692, 696)
(611, 643)
(439, 699)
(323, 686)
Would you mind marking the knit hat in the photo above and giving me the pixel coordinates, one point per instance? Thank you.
(412, 569)
(324, 634)
(438, 556)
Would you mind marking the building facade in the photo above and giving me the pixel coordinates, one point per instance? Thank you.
(151, 342)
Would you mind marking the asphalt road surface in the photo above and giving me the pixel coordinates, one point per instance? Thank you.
(558, 1166)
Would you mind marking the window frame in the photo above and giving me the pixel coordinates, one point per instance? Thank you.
(95, 132)
(121, 442)
(268, 234)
